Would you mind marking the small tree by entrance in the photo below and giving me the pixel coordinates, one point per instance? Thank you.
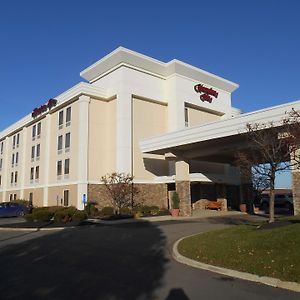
(121, 190)
(272, 148)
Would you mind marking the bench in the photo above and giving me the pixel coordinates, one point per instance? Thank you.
(214, 205)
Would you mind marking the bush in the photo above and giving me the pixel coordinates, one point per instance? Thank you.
(107, 211)
(79, 215)
(175, 200)
(65, 215)
(29, 217)
(125, 211)
(91, 209)
(54, 209)
(154, 210)
(146, 209)
(43, 215)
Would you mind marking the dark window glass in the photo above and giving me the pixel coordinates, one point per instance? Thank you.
(60, 142)
(68, 140)
(61, 118)
(67, 166)
(59, 168)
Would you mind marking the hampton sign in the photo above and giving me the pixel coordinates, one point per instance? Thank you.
(207, 94)
(39, 110)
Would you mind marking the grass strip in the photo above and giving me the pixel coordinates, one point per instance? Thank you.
(274, 252)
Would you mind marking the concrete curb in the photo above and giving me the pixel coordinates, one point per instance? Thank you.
(274, 282)
(33, 229)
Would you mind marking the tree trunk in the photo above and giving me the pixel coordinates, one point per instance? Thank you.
(272, 200)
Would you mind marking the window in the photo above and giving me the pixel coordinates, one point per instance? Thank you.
(32, 152)
(186, 116)
(16, 176)
(14, 142)
(18, 139)
(1, 148)
(0, 163)
(68, 140)
(15, 197)
(60, 119)
(66, 197)
(17, 158)
(30, 198)
(31, 173)
(67, 166)
(59, 168)
(33, 132)
(38, 151)
(10, 197)
(12, 177)
(37, 172)
(0, 180)
(13, 159)
(39, 127)
(60, 143)
(68, 116)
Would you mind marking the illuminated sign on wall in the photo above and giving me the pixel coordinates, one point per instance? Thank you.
(39, 110)
(207, 94)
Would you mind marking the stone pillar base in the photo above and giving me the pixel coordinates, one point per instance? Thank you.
(184, 192)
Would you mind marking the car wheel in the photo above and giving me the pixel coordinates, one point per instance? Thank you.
(21, 214)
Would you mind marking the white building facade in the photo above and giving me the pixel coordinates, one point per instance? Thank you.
(57, 154)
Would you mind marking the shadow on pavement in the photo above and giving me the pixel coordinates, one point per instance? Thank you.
(91, 262)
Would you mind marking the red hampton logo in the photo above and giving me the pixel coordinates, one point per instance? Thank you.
(207, 93)
(39, 110)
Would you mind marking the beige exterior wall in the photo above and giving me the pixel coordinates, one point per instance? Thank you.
(38, 195)
(149, 119)
(198, 116)
(56, 195)
(102, 138)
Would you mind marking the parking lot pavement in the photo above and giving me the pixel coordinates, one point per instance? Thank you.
(11, 220)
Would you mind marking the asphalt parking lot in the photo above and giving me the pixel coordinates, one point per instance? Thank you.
(126, 261)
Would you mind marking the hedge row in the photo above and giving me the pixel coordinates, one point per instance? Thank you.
(57, 213)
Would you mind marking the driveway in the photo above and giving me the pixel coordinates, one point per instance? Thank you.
(128, 261)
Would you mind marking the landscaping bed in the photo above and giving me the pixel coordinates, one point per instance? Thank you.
(273, 252)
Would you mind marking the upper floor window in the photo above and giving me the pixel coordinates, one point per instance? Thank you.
(13, 159)
(38, 130)
(18, 139)
(1, 148)
(59, 168)
(12, 177)
(0, 180)
(14, 142)
(186, 117)
(67, 140)
(0, 163)
(38, 151)
(68, 116)
(67, 166)
(60, 119)
(32, 152)
(37, 172)
(31, 173)
(17, 158)
(33, 132)
(16, 176)
(60, 143)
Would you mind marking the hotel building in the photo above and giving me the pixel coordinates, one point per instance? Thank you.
(160, 122)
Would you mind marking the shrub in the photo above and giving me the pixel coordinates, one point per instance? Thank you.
(175, 200)
(29, 217)
(146, 209)
(107, 211)
(91, 209)
(154, 210)
(125, 211)
(43, 215)
(54, 209)
(65, 215)
(79, 215)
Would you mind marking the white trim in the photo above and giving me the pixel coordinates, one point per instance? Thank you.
(218, 129)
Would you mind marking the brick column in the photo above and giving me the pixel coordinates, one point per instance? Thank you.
(296, 185)
(183, 187)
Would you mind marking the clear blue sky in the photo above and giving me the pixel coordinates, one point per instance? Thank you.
(45, 44)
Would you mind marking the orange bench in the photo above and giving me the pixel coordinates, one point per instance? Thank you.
(214, 205)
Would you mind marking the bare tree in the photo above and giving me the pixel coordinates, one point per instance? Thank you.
(121, 189)
(271, 148)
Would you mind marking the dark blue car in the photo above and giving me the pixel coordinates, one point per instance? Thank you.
(11, 209)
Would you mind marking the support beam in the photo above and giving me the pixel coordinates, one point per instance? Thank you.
(247, 195)
(183, 187)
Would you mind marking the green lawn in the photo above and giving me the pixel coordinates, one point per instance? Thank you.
(272, 252)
